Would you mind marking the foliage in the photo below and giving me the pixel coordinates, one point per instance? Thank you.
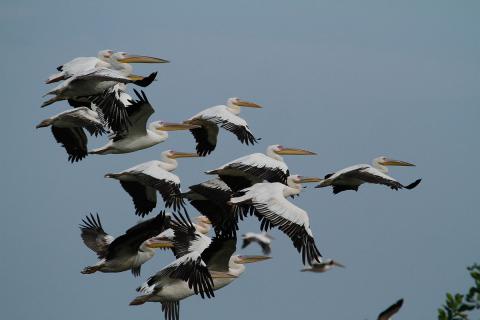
(458, 306)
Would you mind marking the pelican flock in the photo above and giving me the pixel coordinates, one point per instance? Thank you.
(257, 185)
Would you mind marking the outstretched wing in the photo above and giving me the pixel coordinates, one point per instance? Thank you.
(139, 112)
(73, 140)
(388, 313)
(94, 236)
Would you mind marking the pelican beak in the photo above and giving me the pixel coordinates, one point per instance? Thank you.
(292, 151)
(183, 155)
(392, 162)
(135, 77)
(44, 123)
(309, 179)
(156, 243)
(167, 126)
(248, 104)
(338, 264)
(221, 275)
(251, 259)
(131, 58)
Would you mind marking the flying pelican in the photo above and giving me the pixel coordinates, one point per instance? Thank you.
(388, 313)
(352, 177)
(129, 251)
(105, 58)
(323, 266)
(93, 82)
(138, 135)
(142, 181)
(253, 168)
(211, 199)
(263, 239)
(225, 116)
(274, 210)
(81, 64)
(223, 266)
(67, 128)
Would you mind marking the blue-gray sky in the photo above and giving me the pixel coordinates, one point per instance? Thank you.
(351, 80)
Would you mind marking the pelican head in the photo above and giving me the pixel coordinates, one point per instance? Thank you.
(105, 55)
(281, 150)
(124, 57)
(203, 224)
(250, 259)
(237, 102)
(385, 161)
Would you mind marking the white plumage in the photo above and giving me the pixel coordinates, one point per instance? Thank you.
(274, 210)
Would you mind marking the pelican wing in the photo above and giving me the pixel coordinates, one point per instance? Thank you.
(245, 171)
(205, 136)
(139, 112)
(166, 183)
(73, 140)
(210, 198)
(390, 311)
(218, 253)
(273, 209)
(114, 102)
(94, 236)
(82, 117)
(144, 198)
(101, 74)
(171, 310)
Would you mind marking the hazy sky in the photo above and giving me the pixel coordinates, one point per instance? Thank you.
(351, 80)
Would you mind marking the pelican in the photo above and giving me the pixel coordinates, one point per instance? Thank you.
(81, 64)
(323, 266)
(202, 225)
(67, 128)
(211, 198)
(274, 210)
(127, 252)
(245, 171)
(352, 177)
(223, 266)
(142, 181)
(138, 135)
(225, 116)
(263, 239)
(105, 58)
(388, 313)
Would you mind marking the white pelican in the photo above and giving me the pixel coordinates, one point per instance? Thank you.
(323, 266)
(222, 265)
(105, 58)
(81, 64)
(67, 128)
(211, 199)
(142, 181)
(263, 239)
(274, 210)
(127, 252)
(257, 167)
(138, 135)
(352, 177)
(225, 116)
(388, 313)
